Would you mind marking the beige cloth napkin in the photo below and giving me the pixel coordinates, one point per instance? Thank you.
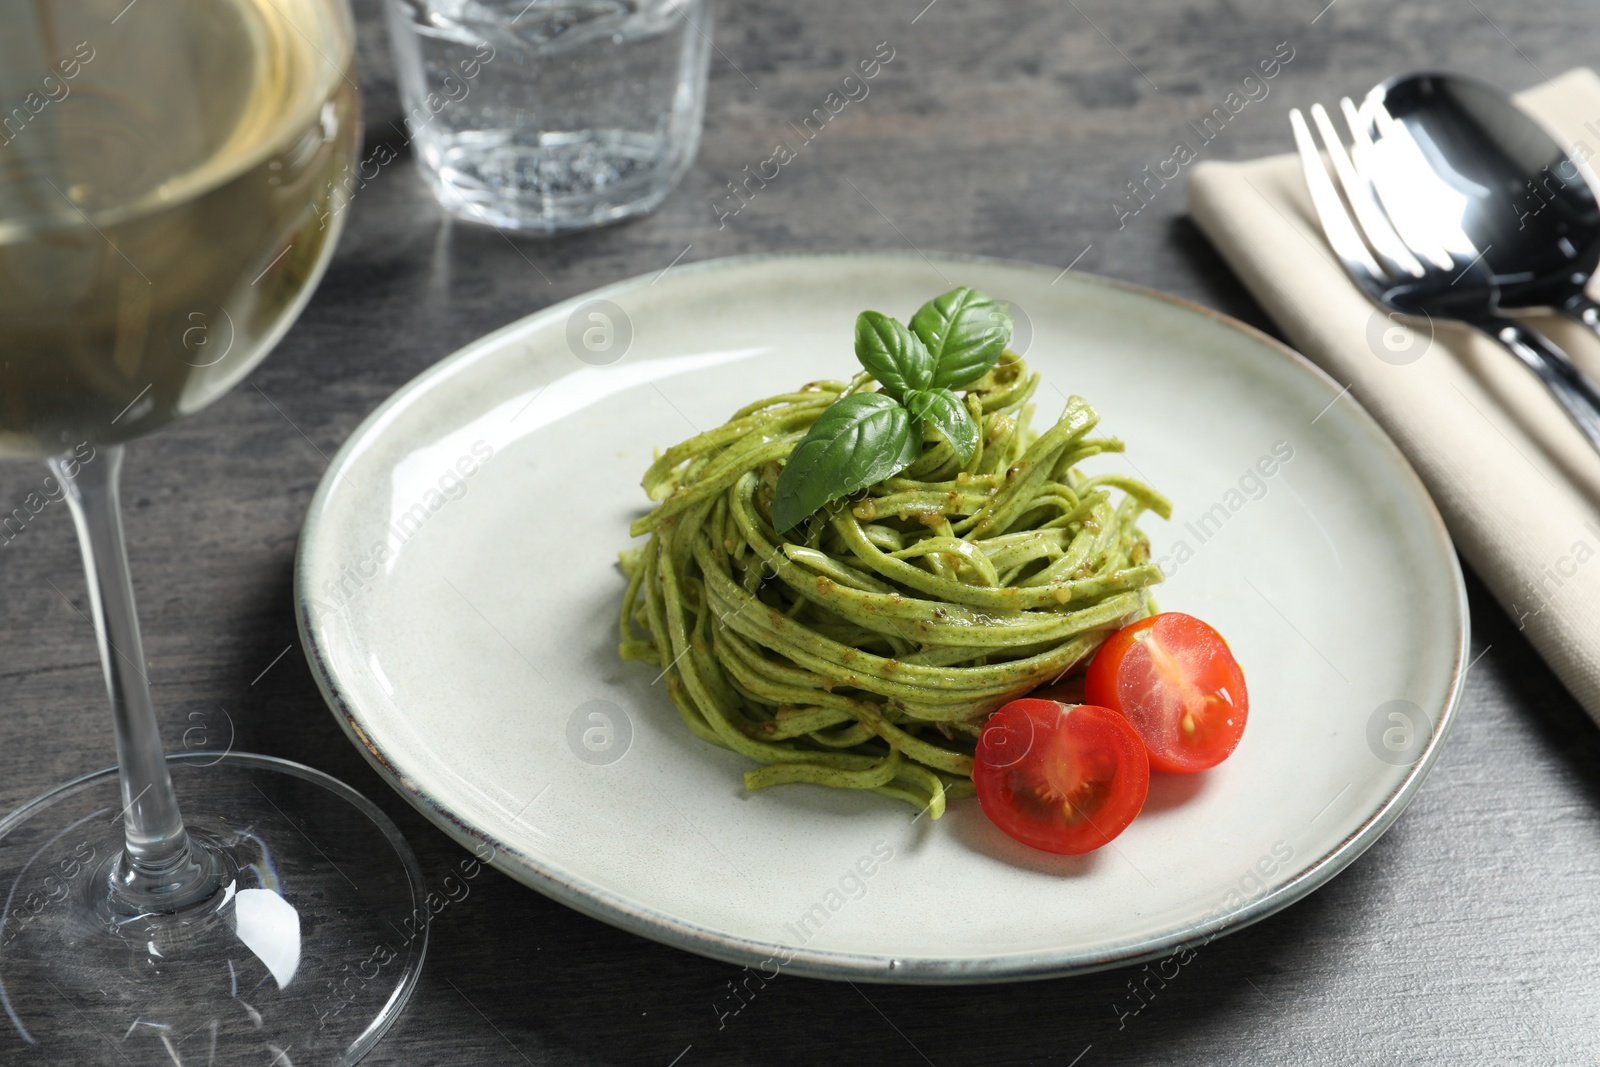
(1518, 485)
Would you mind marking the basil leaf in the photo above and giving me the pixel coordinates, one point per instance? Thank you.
(892, 354)
(856, 442)
(965, 332)
(950, 417)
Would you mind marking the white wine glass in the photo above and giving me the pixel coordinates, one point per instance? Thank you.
(172, 179)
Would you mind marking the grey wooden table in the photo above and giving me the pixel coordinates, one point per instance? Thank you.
(1003, 127)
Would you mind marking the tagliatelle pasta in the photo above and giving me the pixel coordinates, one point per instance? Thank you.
(866, 647)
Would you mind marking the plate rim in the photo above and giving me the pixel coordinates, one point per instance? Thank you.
(608, 907)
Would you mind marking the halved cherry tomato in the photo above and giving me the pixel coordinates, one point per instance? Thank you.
(1064, 778)
(1179, 685)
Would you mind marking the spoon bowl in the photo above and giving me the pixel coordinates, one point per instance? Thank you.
(1526, 203)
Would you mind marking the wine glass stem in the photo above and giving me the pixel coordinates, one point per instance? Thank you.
(158, 870)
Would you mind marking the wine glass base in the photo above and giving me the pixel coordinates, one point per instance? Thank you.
(305, 955)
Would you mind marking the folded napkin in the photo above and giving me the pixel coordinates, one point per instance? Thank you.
(1518, 485)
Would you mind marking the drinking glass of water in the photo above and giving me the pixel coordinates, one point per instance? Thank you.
(552, 115)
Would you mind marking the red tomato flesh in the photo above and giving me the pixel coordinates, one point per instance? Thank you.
(1064, 778)
(1178, 684)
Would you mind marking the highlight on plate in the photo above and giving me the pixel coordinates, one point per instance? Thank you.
(858, 584)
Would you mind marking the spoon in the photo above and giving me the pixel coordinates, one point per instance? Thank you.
(1525, 202)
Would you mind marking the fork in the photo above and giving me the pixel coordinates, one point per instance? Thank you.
(1408, 256)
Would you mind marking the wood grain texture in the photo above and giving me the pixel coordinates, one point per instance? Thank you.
(1002, 127)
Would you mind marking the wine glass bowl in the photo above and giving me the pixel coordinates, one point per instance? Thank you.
(172, 186)
(167, 210)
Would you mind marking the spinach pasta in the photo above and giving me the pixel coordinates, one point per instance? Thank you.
(866, 646)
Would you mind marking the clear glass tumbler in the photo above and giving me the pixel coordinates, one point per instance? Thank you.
(552, 115)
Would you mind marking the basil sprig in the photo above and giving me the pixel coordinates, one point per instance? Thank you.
(861, 439)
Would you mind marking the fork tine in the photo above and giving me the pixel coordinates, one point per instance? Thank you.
(1336, 224)
(1395, 176)
(1369, 216)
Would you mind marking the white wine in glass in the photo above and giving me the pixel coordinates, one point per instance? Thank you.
(172, 178)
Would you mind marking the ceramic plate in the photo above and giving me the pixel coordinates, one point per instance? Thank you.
(458, 599)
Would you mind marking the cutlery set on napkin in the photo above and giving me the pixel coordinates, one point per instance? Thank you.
(1437, 268)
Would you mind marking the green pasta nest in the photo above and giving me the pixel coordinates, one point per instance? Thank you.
(866, 648)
